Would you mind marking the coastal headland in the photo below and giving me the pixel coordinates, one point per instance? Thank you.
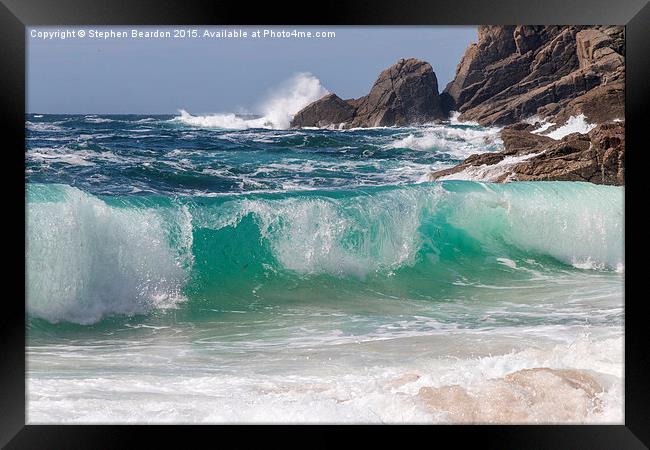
(557, 91)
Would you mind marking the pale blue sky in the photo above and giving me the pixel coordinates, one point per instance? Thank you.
(210, 75)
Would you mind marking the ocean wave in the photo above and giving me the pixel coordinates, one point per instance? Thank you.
(81, 153)
(276, 111)
(322, 235)
(73, 159)
(226, 121)
(43, 127)
(88, 258)
(95, 119)
(360, 234)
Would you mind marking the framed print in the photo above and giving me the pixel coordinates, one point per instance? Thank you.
(412, 215)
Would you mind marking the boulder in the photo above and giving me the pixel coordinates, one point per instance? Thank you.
(327, 111)
(404, 94)
(517, 140)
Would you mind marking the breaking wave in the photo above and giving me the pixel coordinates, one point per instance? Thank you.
(276, 111)
(87, 259)
(90, 257)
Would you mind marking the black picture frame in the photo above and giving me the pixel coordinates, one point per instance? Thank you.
(16, 15)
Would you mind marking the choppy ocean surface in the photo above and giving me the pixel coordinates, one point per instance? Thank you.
(179, 271)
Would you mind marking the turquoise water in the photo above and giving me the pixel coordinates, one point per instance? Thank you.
(244, 263)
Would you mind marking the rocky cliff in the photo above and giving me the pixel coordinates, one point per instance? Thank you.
(515, 72)
(521, 77)
(404, 94)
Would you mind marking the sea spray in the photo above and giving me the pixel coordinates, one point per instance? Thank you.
(276, 110)
(289, 98)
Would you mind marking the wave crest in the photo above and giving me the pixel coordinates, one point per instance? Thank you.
(387, 229)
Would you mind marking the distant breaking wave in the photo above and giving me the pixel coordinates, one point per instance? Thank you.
(276, 110)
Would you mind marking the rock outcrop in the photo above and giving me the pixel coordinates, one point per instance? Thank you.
(327, 111)
(515, 72)
(597, 157)
(512, 74)
(554, 73)
(404, 94)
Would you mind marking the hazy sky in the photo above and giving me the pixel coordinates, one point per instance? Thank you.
(210, 75)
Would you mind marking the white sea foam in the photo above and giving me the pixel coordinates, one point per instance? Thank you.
(44, 127)
(277, 110)
(575, 124)
(454, 119)
(507, 262)
(459, 142)
(94, 119)
(491, 172)
(332, 384)
(227, 121)
(589, 263)
(73, 157)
